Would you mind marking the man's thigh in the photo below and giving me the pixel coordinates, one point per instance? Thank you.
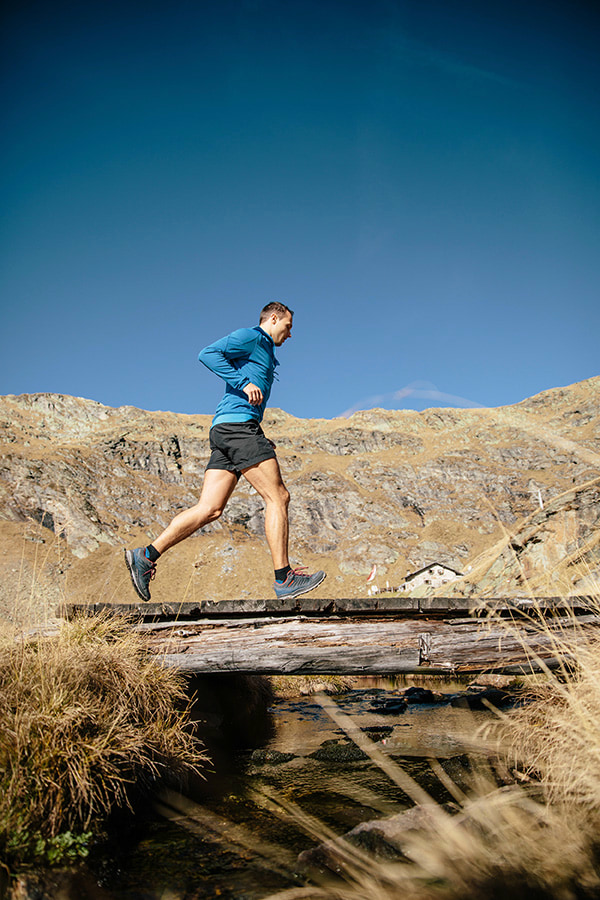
(265, 477)
(217, 487)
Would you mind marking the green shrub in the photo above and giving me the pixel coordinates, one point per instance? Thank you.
(64, 848)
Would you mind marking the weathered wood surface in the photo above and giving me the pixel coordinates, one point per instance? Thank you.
(379, 605)
(302, 645)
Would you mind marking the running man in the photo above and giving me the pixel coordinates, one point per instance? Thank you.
(245, 360)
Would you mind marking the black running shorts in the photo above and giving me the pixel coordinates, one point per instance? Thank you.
(237, 446)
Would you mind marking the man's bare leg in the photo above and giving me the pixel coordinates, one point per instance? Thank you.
(265, 477)
(217, 488)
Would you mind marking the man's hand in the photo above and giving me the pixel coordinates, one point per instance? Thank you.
(254, 394)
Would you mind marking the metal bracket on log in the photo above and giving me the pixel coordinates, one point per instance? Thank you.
(424, 648)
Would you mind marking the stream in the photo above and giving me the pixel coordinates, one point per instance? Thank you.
(225, 837)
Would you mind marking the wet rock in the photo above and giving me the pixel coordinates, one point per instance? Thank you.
(424, 695)
(51, 884)
(335, 750)
(480, 699)
(389, 707)
(376, 732)
(381, 837)
(271, 757)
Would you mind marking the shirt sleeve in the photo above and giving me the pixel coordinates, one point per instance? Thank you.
(221, 356)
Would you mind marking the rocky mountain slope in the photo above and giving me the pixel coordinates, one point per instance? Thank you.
(555, 551)
(79, 481)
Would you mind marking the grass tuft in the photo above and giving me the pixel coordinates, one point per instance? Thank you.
(556, 739)
(87, 717)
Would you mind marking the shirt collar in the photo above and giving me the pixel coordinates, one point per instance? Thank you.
(272, 343)
(266, 334)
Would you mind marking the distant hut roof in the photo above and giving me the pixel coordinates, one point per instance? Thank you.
(430, 566)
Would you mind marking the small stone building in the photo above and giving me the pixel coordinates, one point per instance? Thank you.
(433, 575)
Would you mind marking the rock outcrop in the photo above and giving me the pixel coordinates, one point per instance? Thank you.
(79, 480)
(555, 552)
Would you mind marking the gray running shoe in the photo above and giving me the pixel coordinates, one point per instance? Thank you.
(142, 571)
(297, 583)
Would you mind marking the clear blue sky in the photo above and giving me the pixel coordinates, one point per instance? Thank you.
(417, 179)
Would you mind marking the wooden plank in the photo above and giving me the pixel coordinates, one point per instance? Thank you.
(379, 605)
(498, 605)
(448, 605)
(247, 607)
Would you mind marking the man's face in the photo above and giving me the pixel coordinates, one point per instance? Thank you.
(282, 328)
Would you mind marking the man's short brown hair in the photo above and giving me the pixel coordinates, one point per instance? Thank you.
(275, 307)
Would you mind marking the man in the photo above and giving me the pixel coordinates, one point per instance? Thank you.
(246, 361)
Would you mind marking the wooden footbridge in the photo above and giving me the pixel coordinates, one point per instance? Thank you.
(369, 636)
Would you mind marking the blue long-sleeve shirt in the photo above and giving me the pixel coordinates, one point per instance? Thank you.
(245, 356)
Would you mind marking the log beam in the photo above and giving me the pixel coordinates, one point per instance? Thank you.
(302, 645)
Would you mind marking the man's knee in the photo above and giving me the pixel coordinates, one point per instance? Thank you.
(210, 512)
(215, 513)
(279, 497)
(283, 497)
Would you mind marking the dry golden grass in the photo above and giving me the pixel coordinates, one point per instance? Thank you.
(557, 738)
(87, 716)
(500, 849)
(527, 826)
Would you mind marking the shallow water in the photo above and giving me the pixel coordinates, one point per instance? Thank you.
(222, 839)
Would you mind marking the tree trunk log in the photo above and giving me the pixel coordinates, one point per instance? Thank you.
(348, 646)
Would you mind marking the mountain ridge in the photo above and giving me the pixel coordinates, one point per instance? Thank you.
(398, 488)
